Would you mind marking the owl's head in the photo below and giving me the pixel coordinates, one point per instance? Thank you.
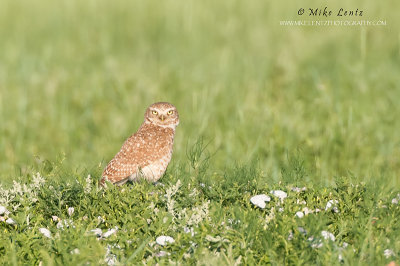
(162, 114)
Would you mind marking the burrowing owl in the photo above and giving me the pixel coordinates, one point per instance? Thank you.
(147, 153)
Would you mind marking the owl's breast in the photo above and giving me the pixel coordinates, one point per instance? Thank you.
(155, 170)
(160, 141)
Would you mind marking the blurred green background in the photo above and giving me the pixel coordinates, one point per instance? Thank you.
(76, 77)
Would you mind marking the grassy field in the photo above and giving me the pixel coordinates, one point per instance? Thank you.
(263, 107)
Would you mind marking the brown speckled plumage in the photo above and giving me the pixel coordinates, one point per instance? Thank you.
(147, 153)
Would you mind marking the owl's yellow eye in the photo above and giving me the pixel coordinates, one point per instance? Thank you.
(154, 112)
(170, 112)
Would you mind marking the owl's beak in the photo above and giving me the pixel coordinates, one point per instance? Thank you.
(162, 117)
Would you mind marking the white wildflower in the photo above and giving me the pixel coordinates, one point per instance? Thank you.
(164, 240)
(162, 253)
(17, 188)
(316, 243)
(194, 193)
(16, 206)
(190, 217)
(297, 189)
(45, 232)
(345, 244)
(327, 235)
(110, 232)
(110, 259)
(38, 180)
(216, 239)
(290, 237)
(2, 219)
(173, 189)
(302, 230)
(301, 202)
(233, 221)
(269, 217)
(170, 192)
(188, 230)
(317, 210)
(395, 201)
(10, 221)
(10, 197)
(71, 211)
(66, 223)
(307, 211)
(2, 210)
(55, 218)
(279, 194)
(75, 251)
(199, 214)
(60, 225)
(97, 231)
(330, 204)
(88, 184)
(300, 214)
(280, 210)
(260, 200)
(388, 253)
(100, 219)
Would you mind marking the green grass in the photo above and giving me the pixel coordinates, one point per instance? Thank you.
(212, 222)
(275, 106)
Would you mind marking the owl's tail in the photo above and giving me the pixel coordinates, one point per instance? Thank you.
(102, 182)
(120, 182)
(103, 179)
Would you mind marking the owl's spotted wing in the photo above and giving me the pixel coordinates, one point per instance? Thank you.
(125, 163)
(118, 170)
